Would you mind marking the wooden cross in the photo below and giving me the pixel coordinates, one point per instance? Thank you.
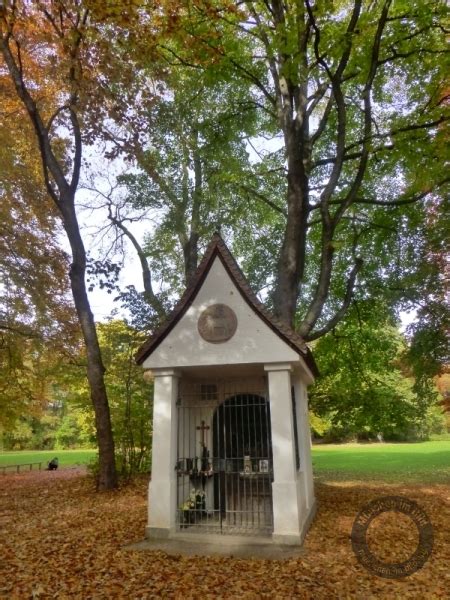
(203, 427)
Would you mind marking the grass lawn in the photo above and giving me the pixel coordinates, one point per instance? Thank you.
(67, 458)
(422, 462)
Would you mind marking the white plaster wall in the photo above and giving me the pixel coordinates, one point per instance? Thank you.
(285, 490)
(253, 342)
(162, 486)
(305, 479)
(300, 474)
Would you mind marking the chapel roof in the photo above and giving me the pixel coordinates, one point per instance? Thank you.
(218, 249)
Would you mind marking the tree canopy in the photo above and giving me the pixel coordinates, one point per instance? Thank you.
(354, 94)
(312, 135)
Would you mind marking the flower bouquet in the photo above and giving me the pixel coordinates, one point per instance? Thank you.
(194, 508)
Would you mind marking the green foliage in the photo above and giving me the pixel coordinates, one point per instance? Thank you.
(20, 437)
(187, 94)
(197, 157)
(130, 397)
(319, 425)
(365, 389)
(57, 426)
(393, 146)
(429, 348)
(68, 420)
(67, 435)
(130, 400)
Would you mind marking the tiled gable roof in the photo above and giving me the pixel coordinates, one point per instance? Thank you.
(218, 248)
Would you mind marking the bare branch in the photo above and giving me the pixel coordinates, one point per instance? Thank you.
(55, 115)
(149, 294)
(392, 203)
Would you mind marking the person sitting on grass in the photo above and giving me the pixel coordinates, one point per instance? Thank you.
(53, 464)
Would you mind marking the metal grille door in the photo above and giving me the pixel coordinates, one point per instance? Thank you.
(224, 461)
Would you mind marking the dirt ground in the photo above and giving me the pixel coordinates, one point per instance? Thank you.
(61, 539)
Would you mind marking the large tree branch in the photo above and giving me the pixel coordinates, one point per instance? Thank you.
(344, 306)
(350, 156)
(393, 203)
(400, 55)
(78, 150)
(251, 77)
(74, 79)
(27, 333)
(270, 58)
(379, 136)
(191, 249)
(315, 98)
(55, 115)
(336, 80)
(323, 122)
(50, 163)
(180, 59)
(354, 188)
(327, 248)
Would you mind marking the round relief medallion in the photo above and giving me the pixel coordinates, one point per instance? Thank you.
(217, 323)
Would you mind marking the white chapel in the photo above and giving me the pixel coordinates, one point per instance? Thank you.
(231, 439)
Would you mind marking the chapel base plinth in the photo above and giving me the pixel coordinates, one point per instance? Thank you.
(257, 547)
(157, 533)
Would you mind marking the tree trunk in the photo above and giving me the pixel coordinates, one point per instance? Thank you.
(107, 477)
(190, 255)
(291, 262)
(190, 247)
(63, 194)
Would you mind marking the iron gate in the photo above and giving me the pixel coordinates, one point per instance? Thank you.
(224, 465)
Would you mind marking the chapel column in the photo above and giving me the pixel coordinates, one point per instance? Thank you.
(162, 487)
(304, 439)
(286, 522)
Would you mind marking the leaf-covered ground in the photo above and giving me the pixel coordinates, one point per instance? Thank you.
(60, 539)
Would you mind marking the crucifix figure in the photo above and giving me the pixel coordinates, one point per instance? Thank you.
(203, 427)
(205, 454)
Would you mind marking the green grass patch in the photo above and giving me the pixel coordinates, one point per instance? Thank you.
(67, 458)
(422, 462)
